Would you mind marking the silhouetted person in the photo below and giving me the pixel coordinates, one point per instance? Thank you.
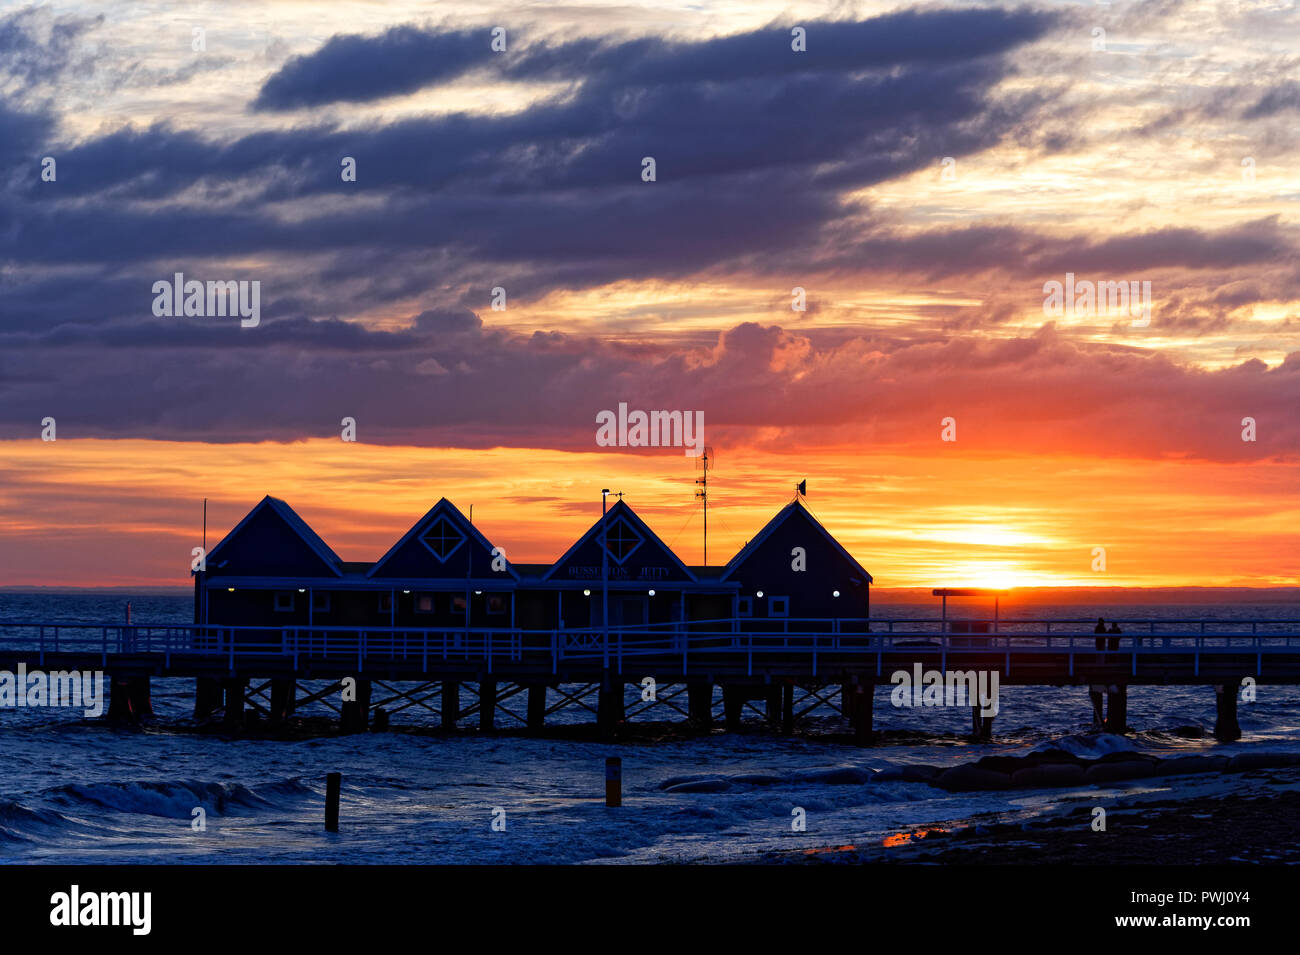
(1100, 628)
(1112, 643)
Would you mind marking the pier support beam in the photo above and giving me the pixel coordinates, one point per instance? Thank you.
(282, 699)
(981, 726)
(1095, 697)
(1117, 709)
(733, 702)
(787, 709)
(487, 706)
(356, 713)
(856, 699)
(207, 697)
(772, 699)
(699, 704)
(119, 700)
(450, 704)
(536, 707)
(609, 707)
(1226, 727)
(234, 691)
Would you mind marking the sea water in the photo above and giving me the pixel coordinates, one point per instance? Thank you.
(78, 790)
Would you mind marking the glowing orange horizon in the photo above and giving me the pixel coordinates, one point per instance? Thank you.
(128, 512)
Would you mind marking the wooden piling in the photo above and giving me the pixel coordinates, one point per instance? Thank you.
(1226, 727)
(119, 699)
(450, 704)
(536, 707)
(282, 699)
(613, 781)
(699, 704)
(787, 709)
(981, 726)
(863, 694)
(609, 707)
(234, 692)
(355, 714)
(139, 696)
(207, 696)
(1117, 710)
(333, 785)
(487, 706)
(733, 703)
(1096, 696)
(772, 699)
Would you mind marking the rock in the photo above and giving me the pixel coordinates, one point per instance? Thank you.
(921, 774)
(1186, 765)
(962, 779)
(1048, 775)
(1001, 764)
(1245, 762)
(1118, 770)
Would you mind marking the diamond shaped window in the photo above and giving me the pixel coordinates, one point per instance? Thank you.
(442, 538)
(621, 540)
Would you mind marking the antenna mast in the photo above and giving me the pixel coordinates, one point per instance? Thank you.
(703, 494)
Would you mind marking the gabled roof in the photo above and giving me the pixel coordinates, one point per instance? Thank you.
(295, 523)
(790, 510)
(623, 510)
(443, 509)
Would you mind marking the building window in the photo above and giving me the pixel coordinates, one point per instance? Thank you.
(621, 540)
(442, 538)
(385, 603)
(284, 601)
(457, 604)
(320, 602)
(778, 606)
(424, 603)
(496, 603)
(745, 606)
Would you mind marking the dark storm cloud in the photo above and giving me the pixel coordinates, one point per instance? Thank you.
(358, 68)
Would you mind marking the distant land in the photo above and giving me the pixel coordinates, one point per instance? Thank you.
(1017, 596)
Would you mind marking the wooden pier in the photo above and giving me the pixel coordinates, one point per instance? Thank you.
(520, 676)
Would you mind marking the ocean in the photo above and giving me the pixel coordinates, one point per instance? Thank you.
(78, 790)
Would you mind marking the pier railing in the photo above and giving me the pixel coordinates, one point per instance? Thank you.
(766, 640)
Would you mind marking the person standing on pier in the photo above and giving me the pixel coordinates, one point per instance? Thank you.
(1112, 642)
(1100, 628)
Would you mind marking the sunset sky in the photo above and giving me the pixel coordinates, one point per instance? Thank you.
(1117, 142)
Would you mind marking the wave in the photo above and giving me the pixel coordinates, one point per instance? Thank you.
(177, 798)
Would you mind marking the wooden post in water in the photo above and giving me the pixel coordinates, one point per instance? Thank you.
(1117, 709)
(234, 689)
(450, 704)
(733, 703)
(699, 704)
(487, 706)
(282, 699)
(862, 715)
(536, 707)
(333, 783)
(772, 698)
(207, 696)
(787, 709)
(1095, 696)
(1226, 727)
(981, 726)
(609, 706)
(613, 781)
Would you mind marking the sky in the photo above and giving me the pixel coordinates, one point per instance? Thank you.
(844, 261)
